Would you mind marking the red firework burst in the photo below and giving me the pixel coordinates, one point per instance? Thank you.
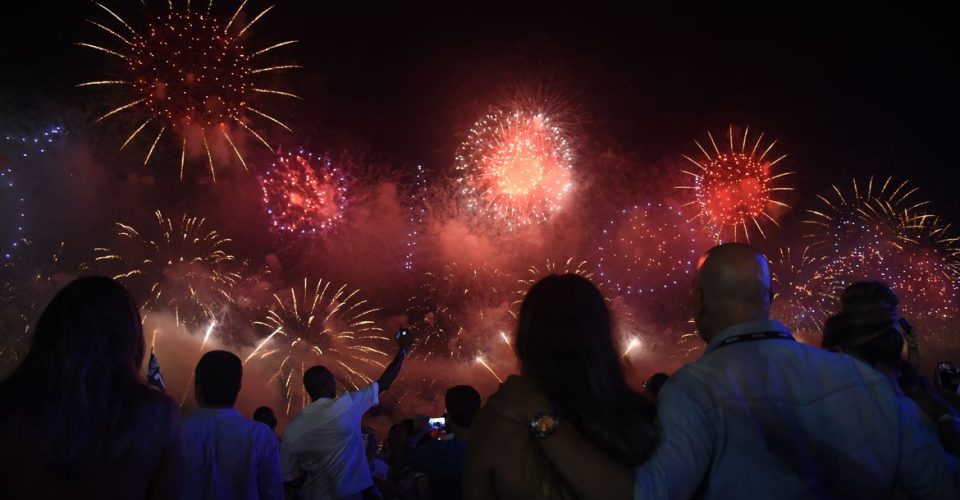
(304, 194)
(192, 73)
(735, 188)
(516, 167)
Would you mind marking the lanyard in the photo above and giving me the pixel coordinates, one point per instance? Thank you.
(748, 337)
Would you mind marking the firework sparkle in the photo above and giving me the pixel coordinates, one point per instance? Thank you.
(188, 72)
(304, 194)
(735, 188)
(321, 324)
(516, 168)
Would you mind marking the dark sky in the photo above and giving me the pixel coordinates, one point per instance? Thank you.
(870, 90)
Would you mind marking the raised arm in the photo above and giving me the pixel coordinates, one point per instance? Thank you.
(393, 369)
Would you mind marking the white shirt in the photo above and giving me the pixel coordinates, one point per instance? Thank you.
(324, 444)
(230, 456)
(774, 418)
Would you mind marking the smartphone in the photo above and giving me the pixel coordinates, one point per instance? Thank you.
(402, 333)
(438, 423)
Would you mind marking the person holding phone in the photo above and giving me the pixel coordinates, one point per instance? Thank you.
(322, 453)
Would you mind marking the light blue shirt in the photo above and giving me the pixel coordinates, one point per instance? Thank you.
(774, 418)
(230, 456)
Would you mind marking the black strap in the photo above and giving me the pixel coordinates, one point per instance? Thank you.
(748, 337)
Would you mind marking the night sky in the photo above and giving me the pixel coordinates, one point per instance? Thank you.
(863, 91)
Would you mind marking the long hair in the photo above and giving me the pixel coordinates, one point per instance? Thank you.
(565, 343)
(79, 386)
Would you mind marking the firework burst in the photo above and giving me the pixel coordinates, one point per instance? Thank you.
(796, 300)
(516, 168)
(457, 310)
(183, 263)
(537, 272)
(870, 211)
(188, 72)
(735, 188)
(648, 248)
(321, 324)
(304, 194)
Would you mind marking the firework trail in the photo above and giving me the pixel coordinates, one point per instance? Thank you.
(321, 325)
(188, 72)
(735, 188)
(516, 168)
(184, 264)
(649, 248)
(304, 194)
(454, 311)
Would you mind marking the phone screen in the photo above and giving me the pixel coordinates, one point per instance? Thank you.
(438, 423)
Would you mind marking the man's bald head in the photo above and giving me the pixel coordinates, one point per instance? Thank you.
(732, 286)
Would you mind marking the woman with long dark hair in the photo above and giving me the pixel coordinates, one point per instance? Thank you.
(76, 418)
(565, 345)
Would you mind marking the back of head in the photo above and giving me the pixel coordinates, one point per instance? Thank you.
(218, 377)
(732, 286)
(265, 414)
(79, 384)
(319, 383)
(463, 403)
(564, 342)
(866, 295)
(873, 336)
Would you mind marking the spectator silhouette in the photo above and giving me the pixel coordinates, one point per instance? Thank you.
(265, 415)
(76, 418)
(759, 415)
(442, 461)
(228, 455)
(565, 348)
(322, 452)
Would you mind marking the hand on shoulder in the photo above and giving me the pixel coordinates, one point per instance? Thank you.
(518, 399)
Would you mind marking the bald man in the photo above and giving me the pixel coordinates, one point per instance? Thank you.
(758, 416)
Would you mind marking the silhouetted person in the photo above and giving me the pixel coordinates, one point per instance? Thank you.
(871, 295)
(876, 337)
(759, 415)
(322, 451)
(653, 385)
(228, 455)
(565, 348)
(442, 461)
(264, 414)
(76, 418)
